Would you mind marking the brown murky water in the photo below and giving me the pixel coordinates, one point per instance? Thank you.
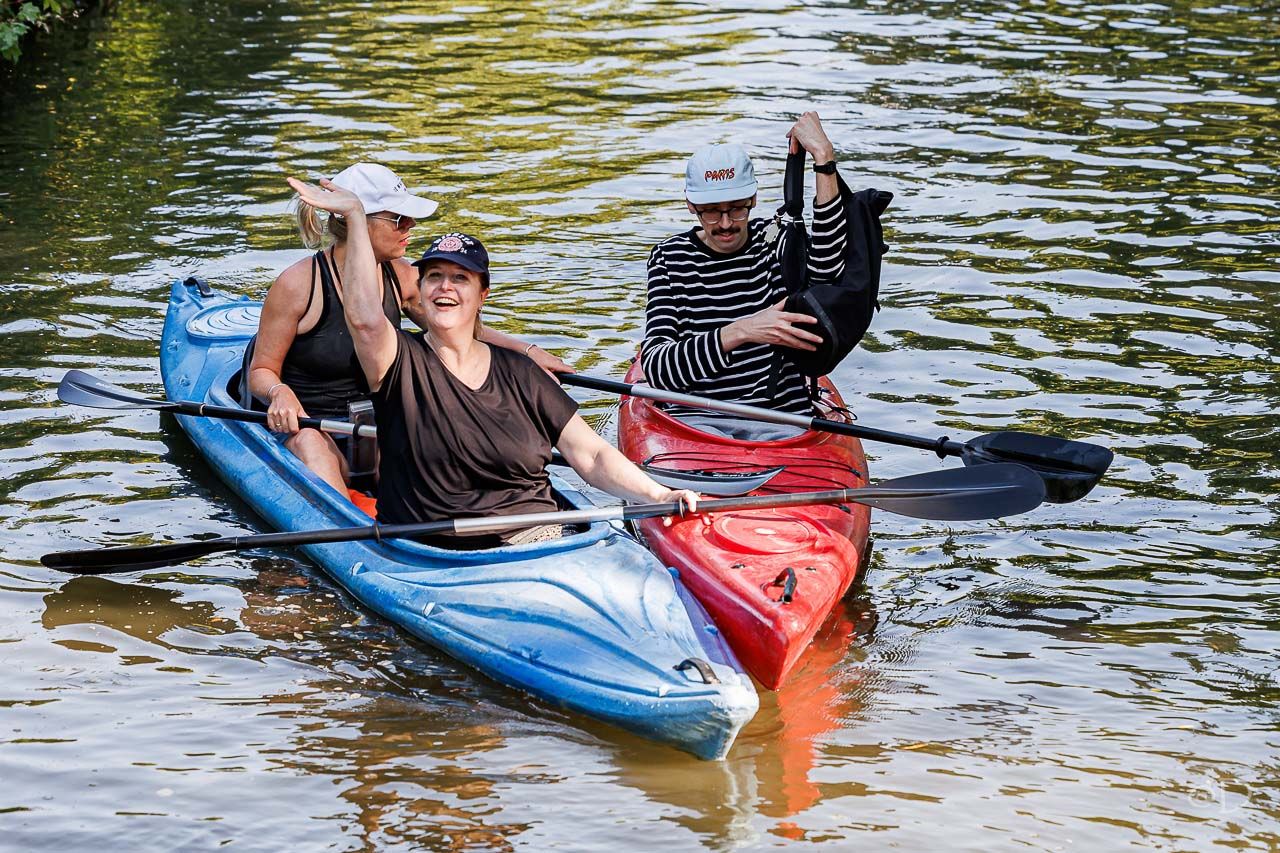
(1084, 242)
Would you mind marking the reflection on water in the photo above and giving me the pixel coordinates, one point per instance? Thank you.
(144, 613)
(1083, 242)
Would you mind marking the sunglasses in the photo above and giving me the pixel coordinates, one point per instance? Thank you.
(398, 221)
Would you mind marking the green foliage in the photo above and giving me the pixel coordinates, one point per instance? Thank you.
(17, 19)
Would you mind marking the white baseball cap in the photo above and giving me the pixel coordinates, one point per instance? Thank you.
(718, 173)
(378, 188)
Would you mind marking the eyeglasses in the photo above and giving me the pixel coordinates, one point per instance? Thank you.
(713, 215)
(399, 221)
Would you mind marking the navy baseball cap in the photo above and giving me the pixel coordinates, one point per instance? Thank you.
(461, 249)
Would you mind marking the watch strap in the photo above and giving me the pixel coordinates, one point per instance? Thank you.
(827, 168)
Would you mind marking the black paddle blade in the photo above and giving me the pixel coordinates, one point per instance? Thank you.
(84, 389)
(958, 494)
(132, 558)
(1070, 469)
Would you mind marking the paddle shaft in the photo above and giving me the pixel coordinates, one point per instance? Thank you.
(203, 410)
(186, 407)
(127, 558)
(992, 491)
(84, 389)
(942, 446)
(494, 524)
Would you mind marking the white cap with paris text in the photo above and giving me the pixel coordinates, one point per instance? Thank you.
(719, 173)
(379, 189)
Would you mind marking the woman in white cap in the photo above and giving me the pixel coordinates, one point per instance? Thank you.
(466, 429)
(304, 363)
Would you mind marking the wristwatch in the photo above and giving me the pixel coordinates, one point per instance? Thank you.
(827, 168)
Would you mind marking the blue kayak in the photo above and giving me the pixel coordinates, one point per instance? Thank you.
(591, 622)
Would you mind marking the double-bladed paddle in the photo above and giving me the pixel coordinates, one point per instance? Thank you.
(957, 494)
(81, 388)
(1070, 469)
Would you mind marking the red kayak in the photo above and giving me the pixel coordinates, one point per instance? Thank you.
(770, 577)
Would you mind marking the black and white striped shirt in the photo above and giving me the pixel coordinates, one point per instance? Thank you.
(694, 292)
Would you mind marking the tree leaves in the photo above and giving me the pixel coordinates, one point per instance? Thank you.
(17, 21)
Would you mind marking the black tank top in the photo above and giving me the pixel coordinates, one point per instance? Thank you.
(321, 366)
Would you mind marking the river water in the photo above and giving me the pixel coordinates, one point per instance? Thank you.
(1084, 242)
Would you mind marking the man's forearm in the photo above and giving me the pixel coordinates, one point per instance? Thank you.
(827, 187)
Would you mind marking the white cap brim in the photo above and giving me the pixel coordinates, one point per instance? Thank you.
(410, 205)
(720, 194)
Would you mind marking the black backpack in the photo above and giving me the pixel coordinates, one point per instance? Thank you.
(844, 310)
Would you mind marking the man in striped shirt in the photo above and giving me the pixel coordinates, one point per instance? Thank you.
(716, 293)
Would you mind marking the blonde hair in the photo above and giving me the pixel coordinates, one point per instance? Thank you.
(484, 288)
(316, 234)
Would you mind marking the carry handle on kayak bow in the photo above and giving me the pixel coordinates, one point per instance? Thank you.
(956, 494)
(1070, 469)
(81, 388)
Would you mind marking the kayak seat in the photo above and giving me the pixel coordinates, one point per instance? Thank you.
(238, 387)
(361, 451)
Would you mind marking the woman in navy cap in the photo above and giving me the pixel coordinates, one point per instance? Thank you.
(304, 363)
(465, 429)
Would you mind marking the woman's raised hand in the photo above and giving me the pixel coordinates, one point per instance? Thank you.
(328, 196)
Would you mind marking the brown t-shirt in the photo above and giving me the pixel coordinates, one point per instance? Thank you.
(452, 452)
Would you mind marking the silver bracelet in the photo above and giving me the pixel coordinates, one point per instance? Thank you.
(529, 347)
(272, 388)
